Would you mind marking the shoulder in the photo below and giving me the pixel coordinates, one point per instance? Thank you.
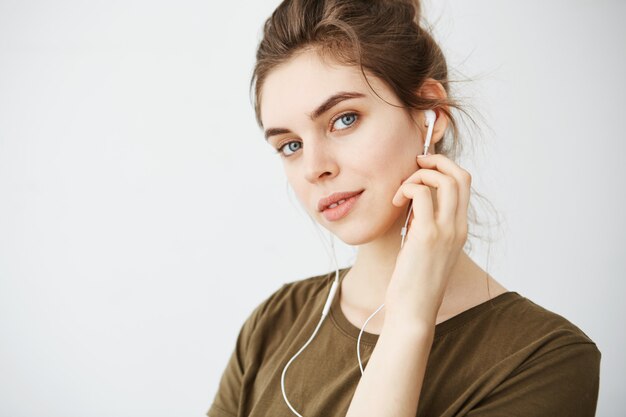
(537, 361)
(288, 301)
(536, 337)
(299, 292)
(515, 320)
(559, 364)
(514, 328)
(261, 336)
(303, 289)
(291, 307)
(551, 334)
(531, 321)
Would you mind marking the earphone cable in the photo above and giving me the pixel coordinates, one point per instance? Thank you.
(282, 378)
(325, 311)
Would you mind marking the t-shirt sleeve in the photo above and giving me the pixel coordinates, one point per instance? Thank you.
(227, 398)
(561, 382)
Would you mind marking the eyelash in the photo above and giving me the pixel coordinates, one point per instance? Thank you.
(332, 122)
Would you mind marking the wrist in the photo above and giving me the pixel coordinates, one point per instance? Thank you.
(405, 311)
(422, 325)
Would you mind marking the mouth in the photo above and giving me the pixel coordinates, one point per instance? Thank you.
(338, 205)
(336, 198)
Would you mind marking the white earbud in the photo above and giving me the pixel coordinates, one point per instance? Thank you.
(430, 116)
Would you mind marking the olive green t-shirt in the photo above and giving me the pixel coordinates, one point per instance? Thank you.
(505, 357)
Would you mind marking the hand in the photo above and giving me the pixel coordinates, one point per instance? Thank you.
(434, 239)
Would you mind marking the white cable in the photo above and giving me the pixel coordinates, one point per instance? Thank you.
(282, 378)
(325, 310)
(404, 229)
(358, 342)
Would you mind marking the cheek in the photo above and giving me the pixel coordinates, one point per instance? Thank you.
(394, 155)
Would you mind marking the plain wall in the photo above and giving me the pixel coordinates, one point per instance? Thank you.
(143, 217)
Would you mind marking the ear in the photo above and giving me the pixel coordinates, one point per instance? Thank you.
(433, 89)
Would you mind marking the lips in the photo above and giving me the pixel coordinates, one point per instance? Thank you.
(333, 198)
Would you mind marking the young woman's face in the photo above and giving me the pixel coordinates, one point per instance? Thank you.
(335, 135)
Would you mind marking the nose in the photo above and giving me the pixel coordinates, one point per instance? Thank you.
(319, 160)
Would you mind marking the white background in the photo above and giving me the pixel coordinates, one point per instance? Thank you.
(143, 217)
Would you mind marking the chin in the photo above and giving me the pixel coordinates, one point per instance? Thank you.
(360, 232)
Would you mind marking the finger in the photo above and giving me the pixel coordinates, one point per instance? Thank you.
(422, 204)
(446, 194)
(463, 178)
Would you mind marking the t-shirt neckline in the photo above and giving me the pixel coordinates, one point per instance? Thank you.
(350, 330)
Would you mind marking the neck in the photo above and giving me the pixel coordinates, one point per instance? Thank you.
(374, 264)
(365, 285)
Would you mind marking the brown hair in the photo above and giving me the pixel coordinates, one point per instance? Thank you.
(382, 37)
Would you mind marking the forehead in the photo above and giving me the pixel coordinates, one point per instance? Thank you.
(296, 87)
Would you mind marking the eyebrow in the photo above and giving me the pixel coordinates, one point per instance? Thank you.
(328, 104)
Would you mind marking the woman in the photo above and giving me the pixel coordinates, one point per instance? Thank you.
(353, 95)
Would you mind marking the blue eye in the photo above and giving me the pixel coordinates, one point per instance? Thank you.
(289, 146)
(347, 119)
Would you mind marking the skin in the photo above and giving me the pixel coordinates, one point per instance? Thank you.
(430, 278)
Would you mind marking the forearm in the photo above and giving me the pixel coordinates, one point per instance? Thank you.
(392, 381)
